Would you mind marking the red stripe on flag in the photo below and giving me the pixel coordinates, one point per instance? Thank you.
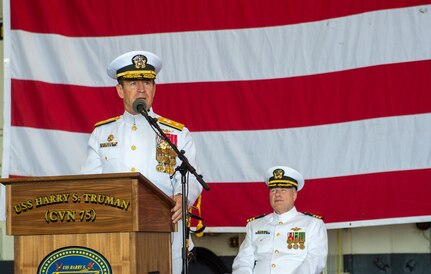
(113, 18)
(246, 105)
(300, 101)
(62, 107)
(339, 199)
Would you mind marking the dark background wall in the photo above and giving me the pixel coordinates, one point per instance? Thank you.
(206, 263)
(387, 263)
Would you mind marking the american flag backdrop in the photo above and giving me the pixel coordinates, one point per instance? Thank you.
(339, 90)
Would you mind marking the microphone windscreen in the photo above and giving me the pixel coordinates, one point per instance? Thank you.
(139, 106)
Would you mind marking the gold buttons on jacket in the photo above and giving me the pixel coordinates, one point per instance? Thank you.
(280, 223)
(134, 127)
(273, 266)
(133, 147)
(133, 169)
(276, 251)
(278, 234)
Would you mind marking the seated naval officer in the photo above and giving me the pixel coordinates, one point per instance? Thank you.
(285, 241)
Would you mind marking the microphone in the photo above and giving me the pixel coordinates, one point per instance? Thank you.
(139, 106)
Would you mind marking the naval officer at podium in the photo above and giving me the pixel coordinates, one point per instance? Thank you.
(127, 143)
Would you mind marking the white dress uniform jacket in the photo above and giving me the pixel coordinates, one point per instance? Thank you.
(290, 243)
(128, 144)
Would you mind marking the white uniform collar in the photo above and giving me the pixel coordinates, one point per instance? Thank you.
(138, 119)
(285, 217)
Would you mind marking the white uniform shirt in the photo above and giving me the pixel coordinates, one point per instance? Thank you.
(135, 151)
(266, 248)
(128, 144)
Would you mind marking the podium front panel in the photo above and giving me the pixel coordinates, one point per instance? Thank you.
(71, 207)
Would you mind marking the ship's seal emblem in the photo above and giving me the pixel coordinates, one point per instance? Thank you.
(74, 259)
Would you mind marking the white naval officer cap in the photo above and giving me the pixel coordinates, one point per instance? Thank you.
(136, 64)
(283, 176)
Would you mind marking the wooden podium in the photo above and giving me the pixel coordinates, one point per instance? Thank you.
(123, 217)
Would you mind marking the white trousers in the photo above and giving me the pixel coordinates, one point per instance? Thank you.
(177, 246)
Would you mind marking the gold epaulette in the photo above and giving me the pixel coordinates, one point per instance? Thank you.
(170, 123)
(255, 218)
(107, 121)
(313, 215)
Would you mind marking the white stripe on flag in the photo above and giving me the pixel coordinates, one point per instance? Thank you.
(46, 152)
(367, 39)
(243, 156)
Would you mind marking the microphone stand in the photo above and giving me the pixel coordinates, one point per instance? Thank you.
(183, 169)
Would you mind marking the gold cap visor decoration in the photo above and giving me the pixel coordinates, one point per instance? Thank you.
(135, 65)
(283, 176)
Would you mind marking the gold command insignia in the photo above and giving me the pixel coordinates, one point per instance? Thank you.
(140, 61)
(110, 137)
(278, 173)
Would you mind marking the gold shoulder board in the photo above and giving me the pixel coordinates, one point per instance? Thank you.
(255, 218)
(170, 123)
(107, 121)
(313, 215)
